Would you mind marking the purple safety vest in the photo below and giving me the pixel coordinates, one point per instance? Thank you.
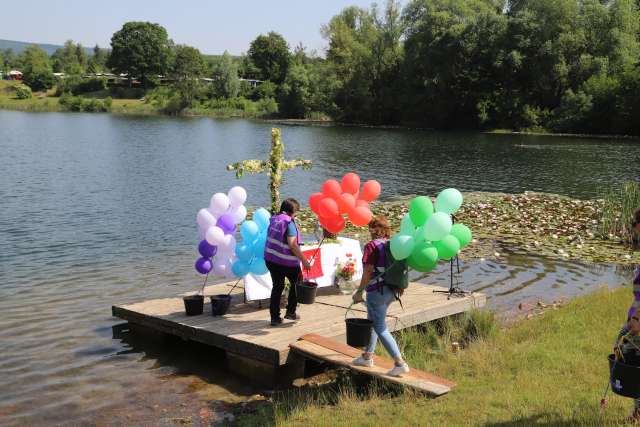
(277, 249)
(377, 282)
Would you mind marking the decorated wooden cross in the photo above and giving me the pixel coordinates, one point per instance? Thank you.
(275, 166)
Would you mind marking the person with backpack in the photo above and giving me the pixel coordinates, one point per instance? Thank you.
(283, 256)
(629, 337)
(384, 280)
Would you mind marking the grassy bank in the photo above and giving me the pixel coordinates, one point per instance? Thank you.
(47, 101)
(550, 370)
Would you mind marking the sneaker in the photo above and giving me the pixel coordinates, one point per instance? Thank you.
(397, 371)
(276, 322)
(292, 316)
(361, 361)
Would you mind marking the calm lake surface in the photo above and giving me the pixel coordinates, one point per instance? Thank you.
(100, 209)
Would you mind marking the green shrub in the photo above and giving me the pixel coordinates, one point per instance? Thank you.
(65, 100)
(89, 85)
(39, 79)
(107, 102)
(120, 92)
(75, 103)
(23, 92)
(91, 105)
(619, 205)
(264, 90)
(67, 84)
(268, 106)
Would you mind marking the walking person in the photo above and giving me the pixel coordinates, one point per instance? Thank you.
(283, 256)
(379, 296)
(631, 331)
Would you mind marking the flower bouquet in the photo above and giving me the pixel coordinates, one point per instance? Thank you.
(344, 275)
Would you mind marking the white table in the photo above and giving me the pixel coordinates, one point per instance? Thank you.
(259, 287)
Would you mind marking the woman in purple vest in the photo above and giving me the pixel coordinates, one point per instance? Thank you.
(283, 256)
(379, 297)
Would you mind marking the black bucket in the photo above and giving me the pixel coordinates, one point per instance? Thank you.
(306, 292)
(193, 304)
(220, 304)
(358, 332)
(625, 379)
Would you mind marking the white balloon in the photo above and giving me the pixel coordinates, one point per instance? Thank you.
(227, 244)
(238, 214)
(214, 235)
(205, 219)
(237, 196)
(220, 267)
(219, 204)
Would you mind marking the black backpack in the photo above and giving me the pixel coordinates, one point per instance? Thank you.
(396, 272)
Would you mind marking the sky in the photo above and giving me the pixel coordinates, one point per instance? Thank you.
(212, 26)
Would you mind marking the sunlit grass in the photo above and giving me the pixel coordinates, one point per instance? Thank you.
(550, 370)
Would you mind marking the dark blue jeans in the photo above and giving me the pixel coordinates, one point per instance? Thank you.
(278, 274)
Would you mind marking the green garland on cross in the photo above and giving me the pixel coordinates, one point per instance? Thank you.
(275, 166)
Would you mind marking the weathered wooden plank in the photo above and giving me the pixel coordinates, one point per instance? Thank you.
(379, 370)
(380, 361)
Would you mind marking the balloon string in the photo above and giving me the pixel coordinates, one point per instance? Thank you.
(240, 278)
(204, 284)
(206, 277)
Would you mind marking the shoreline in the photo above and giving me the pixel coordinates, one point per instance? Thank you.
(50, 105)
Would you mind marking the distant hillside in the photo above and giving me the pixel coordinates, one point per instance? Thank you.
(18, 47)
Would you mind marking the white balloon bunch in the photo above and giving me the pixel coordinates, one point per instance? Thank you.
(217, 225)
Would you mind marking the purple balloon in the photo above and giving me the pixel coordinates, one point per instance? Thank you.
(226, 223)
(203, 265)
(207, 250)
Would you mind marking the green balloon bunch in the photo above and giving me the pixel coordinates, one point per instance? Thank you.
(427, 234)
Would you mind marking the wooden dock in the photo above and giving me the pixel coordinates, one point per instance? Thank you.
(245, 329)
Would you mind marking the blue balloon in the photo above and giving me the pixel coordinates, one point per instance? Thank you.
(259, 267)
(259, 246)
(203, 265)
(262, 217)
(244, 251)
(240, 268)
(249, 230)
(207, 250)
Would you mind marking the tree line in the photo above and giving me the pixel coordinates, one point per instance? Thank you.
(557, 65)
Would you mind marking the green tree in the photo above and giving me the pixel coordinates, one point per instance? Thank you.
(270, 55)
(365, 51)
(36, 68)
(227, 84)
(294, 94)
(70, 59)
(98, 61)
(140, 49)
(10, 59)
(187, 68)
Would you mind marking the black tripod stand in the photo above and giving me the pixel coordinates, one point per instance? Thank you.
(454, 288)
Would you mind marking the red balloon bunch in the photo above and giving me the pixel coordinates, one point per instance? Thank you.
(344, 198)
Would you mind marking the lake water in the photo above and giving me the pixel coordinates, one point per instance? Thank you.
(100, 209)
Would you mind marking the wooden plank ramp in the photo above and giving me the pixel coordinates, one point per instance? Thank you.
(336, 353)
(245, 329)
